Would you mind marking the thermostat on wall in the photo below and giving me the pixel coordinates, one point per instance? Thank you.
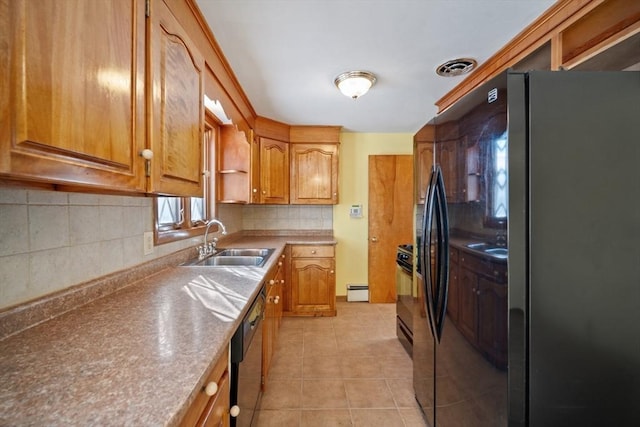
(355, 211)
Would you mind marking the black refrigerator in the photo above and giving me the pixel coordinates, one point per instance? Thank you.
(543, 185)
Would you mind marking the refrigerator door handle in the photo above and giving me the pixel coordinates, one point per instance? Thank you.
(425, 246)
(442, 257)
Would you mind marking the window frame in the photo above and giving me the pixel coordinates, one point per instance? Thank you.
(188, 228)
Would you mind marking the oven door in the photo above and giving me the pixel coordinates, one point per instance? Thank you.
(404, 307)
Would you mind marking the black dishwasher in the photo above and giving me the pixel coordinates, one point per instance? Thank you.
(246, 363)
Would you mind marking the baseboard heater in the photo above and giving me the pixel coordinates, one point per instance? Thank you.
(357, 293)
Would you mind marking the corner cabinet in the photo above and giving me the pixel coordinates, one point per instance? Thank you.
(314, 165)
(72, 105)
(270, 163)
(176, 101)
(313, 280)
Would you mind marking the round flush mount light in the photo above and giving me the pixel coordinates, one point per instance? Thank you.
(354, 84)
(456, 67)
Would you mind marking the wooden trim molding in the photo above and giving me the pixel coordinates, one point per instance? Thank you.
(555, 19)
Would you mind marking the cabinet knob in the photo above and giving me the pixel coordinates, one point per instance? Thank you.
(211, 388)
(272, 282)
(255, 190)
(276, 299)
(331, 272)
(282, 281)
(234, 411)
(313, 251)
(282, 256)
(374, 239)
(280, 263)
(264, 191)
(146, 154)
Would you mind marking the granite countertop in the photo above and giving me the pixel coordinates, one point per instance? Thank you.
(137, 356)
(462, 242)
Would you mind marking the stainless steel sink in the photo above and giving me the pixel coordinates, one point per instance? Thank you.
(227, 261)
(234, 257)
(243, 252)
(490, 249)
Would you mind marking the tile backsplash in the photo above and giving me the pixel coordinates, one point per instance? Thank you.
(51, 240)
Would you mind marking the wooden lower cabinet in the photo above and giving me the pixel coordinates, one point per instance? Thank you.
(482, 306)
(212, 409)
(453, 298)
(272, 317)
(313, 280)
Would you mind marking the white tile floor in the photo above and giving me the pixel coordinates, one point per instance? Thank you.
(348, 370)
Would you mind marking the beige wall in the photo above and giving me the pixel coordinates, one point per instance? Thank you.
(355, 149)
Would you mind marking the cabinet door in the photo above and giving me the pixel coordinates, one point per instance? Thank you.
(492, 321)
(468, 314)
(176, 99)
(424, 163)
(447, 157)
(314, 174)
(453, 299)
(268, 332)
(274, 172)
(73, 92)
(313, 287)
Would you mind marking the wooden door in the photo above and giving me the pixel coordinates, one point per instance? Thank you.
(314, 174)
(390, 220)
(176, 97)
(73, 92)
(274, 172)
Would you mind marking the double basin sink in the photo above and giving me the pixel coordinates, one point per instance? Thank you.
(234, 257)
(490, 249)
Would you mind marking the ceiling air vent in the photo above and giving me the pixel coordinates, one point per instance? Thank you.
(456, 67)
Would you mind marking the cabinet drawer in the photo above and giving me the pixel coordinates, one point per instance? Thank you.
(312, 251)
(218, 375)
(497, 271)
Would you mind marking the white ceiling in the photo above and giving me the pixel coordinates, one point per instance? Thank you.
(286, 53)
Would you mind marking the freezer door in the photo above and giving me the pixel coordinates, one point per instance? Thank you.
(584, 248)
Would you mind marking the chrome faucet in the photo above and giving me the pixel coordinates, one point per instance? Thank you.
(209, 248)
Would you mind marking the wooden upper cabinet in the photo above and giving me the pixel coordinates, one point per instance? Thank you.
(234, 165)
(176, 103)
(274, 172)
(72, 104)
(423, 142)
(270, 163)
(314, 174)
(314, 164)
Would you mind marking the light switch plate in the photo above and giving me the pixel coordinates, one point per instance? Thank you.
(148, 242)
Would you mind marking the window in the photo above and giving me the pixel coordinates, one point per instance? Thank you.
(497, 195)
(179, 218)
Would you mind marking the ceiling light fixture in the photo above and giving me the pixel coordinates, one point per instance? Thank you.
(355, 83)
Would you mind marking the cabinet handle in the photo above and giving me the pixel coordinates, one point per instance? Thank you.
(234, 411)
(276, 299)
(272, 282)
(211, 388)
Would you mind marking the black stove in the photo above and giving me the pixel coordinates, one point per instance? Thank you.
(404, 257)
